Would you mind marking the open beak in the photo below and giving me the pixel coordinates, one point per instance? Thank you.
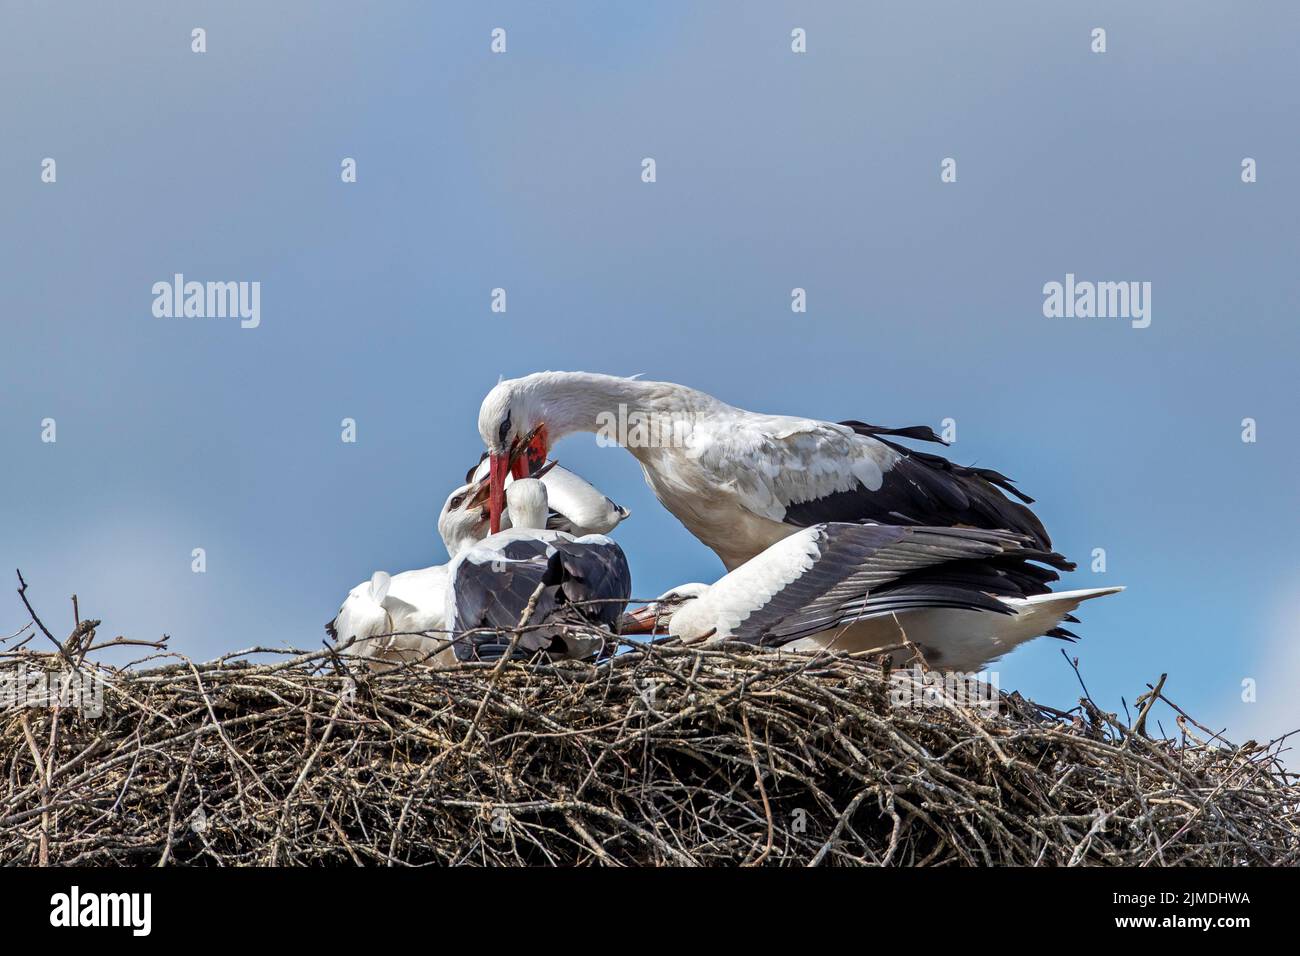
(482, 493)
(641, 621)
(527, 455)
(479, 493)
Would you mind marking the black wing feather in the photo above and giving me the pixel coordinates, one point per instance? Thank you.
(924, 489)
(597, 579)
(914, 432)
(492, 595)
(581, 582)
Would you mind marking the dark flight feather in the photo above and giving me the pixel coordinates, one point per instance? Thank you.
(866, 571)
(581, 583)
(926, 490)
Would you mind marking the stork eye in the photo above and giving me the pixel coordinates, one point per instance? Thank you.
(504, 431)
(457, 501)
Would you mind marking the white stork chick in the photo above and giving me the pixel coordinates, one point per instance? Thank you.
(955, 595)
(399, 619)
(738, 480)
(571, 584)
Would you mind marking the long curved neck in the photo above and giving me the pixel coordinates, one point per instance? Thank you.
(611, 407)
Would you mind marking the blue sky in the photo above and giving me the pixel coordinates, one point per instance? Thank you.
(775, 170)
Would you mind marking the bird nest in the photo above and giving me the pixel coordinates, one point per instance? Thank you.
(660, 755)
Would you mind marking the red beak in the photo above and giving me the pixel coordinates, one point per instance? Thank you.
(641, 621)
(525, 457)
(499, 468)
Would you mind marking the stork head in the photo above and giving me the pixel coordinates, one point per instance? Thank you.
(656, 616)
(515, 434)
(464, 517)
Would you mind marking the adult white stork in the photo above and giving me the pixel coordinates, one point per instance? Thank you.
(402, 618)
(738, 480)
(962, 597)
(572, 583)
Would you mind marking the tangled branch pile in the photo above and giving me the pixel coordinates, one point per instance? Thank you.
(661, 755)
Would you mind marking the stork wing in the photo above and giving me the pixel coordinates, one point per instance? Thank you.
(490, 590)
(582, 580)
(804, 472)
(838, 573)
(596, 578)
